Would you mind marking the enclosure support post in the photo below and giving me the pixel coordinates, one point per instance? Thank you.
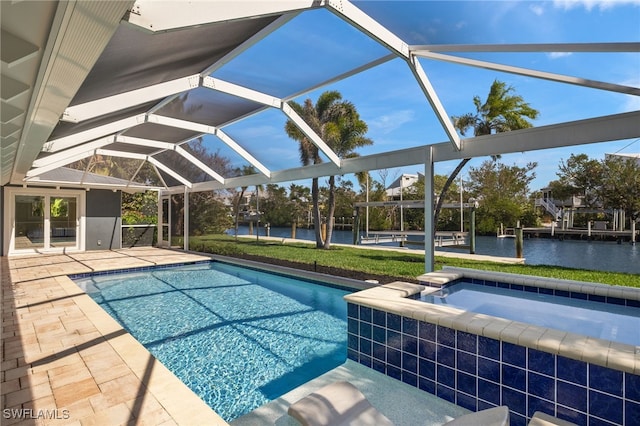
(185, 237)
(472, 230)
(429, 226)
(519, 242)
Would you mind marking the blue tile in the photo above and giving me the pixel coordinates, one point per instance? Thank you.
(466, 362)
(446, 356)
(394, 322)
(379, 352)
(616, 301)
(379, 366)
(488, 369)
(427, 331)
(366, 314)
(578, 295)
(379, 334)
(605, 379)
(394, 339)
(365, 330)
(409, 344)
(543, 290)
(503, 285)
(517, 287)
(427, 385)
(366, 361)
(489, 391)
(466, 383)
(352, 342)
(541, 386)
(542, 362)
(446, 376)
(571, 370)
(409, 378)
(446, 336)
(409, 326)
(410, 363)
(353, 355)
(597, 298)
(514, 354)
(379, 318)
(537, 404)
(483, 405)
(572, 396)
(366, 347)
(427, 369)
(394, 372)
(394, 357)
(490, 283)
(517, 420)
(570, 415)
(634, 303)
(594, 421)
(514, 377)
(605, 406)
(467, 342)
(352, 310)
(427, 349)
(352, 325)
(516, 401)
(466, 401)
(530, 289)
(489, 348)
(632, 387)
(631, 413)
(562, 293)
(446, 393)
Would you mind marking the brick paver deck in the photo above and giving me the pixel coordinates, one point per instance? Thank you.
(66, 361)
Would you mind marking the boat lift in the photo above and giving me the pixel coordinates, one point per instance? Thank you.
(455, 239)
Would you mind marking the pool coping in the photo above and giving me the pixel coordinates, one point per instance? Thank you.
(394, 297)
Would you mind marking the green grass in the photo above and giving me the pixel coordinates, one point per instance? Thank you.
(390, 263)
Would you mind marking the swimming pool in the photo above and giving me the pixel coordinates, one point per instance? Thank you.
(237, 337)
(609, 321)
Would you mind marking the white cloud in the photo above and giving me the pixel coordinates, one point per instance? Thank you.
(389, 122)
(556, 55)
(592, 4)
(537, 9)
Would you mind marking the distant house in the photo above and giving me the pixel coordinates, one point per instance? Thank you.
(401, 183)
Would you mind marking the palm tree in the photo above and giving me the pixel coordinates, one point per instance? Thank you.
(503, 111)
(338, 123)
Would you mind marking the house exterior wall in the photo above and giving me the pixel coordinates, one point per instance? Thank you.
(104, 220)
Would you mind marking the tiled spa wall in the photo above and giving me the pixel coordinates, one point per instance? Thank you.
(477, 372)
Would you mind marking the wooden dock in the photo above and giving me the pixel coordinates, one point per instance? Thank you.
(578, 234)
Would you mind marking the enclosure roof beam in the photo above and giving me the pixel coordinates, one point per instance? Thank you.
(628, 90)
(211, 130)
(71, 152)
(356, 17)
(600, 129)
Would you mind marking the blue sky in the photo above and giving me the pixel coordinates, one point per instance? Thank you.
(389, 99)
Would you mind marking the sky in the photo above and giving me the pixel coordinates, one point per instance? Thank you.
(317, 45)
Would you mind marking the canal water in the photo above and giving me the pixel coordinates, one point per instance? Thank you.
(594, 255)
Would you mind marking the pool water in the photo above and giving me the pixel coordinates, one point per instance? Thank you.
(590, 318)
(237, 337)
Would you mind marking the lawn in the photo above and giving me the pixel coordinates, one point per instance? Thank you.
(387, 263)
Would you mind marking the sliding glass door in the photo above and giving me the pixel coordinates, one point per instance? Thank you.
(44, 222)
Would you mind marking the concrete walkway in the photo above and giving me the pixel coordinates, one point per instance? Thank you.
(457, 255)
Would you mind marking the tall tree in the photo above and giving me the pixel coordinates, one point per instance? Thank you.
(502, 111)
(338, 123)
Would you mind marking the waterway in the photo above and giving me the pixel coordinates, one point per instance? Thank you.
(593, 255)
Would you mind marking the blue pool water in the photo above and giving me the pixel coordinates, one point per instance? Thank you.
(590, 318)
(237, 337)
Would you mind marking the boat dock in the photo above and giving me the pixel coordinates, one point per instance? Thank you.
(579, 234)
(443, 239)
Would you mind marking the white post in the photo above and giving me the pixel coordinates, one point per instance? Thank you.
(185, 238)
(461, 208)
(429, 226)
(633, 231)
(588, 228)
(401, 209)
(553, 228)
(367, 218)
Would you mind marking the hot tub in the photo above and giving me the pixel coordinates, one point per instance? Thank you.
(479, 361)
